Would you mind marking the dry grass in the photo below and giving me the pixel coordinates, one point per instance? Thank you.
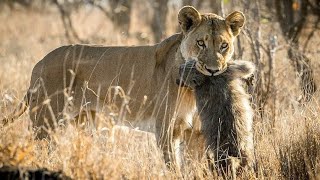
(287, 142)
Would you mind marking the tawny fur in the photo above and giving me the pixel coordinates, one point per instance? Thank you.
(225, 111)
(76, 80)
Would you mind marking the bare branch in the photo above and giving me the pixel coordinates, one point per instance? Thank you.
(65, 16)
(315, 27)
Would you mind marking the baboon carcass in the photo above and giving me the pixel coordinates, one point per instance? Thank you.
(225, 112)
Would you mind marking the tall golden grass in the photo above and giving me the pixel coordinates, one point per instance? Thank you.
(287, 141)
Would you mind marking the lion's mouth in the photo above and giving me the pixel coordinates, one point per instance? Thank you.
(218, 72)
(202, 68)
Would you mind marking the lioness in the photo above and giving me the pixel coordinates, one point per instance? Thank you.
(74, 79)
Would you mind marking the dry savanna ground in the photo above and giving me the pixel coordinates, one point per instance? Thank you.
(287, 139)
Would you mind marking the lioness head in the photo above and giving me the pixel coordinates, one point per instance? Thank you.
(208, 38)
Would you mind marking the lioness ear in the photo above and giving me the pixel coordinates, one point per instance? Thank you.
(236, 21)
(188, 18)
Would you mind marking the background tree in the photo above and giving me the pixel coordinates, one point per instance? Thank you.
(292, 16)
(158, 24)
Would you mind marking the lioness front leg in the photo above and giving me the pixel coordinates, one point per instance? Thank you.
(170, 139)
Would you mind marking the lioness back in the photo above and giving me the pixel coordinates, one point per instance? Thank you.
(90, 76)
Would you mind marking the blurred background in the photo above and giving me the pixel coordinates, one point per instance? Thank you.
(280, 36)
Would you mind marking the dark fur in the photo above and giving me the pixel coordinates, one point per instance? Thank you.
(225, 110)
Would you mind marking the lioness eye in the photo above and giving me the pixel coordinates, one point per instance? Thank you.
(224, 46)
(201, 43)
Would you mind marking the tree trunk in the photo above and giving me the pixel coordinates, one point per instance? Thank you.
(120, 14)
(159, 19)
(291, 28)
